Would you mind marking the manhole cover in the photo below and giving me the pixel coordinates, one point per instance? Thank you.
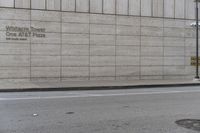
(193, 124)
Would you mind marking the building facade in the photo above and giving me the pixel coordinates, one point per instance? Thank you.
(72, 40)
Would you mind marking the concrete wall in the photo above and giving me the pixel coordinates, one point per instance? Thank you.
(83, 46)
(155, 8)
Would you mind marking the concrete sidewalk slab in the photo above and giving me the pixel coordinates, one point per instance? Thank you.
(90, 85)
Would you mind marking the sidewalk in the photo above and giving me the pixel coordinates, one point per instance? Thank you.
(90, 85)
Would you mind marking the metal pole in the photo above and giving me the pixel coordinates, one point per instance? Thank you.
(197, 41)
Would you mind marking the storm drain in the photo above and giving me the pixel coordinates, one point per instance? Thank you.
(193, 124)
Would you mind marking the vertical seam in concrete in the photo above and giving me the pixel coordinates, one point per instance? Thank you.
(128, 8)
(115, 7)
(140, 14)
(102, 6)
(174, 9)
(184, 51)
(140, 65)
(184, 9)
(45, 4)
(61, 5)
(89, 65)
(61, 16)
(163, 51)
(14, 3)
(89, 6)
(75, 6)
(115, 47)
(30, 44)
(151, 8)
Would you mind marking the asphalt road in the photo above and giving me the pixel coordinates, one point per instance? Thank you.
(152, 110)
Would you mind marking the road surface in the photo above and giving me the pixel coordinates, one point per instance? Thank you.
(150, 110)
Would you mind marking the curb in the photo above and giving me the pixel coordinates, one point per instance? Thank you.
(85, 88)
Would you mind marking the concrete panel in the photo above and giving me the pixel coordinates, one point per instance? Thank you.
(128, 20)
(190, 9)
(152, 51)
(102, 60)
(127, 71)
(102, 19)
(38, 4)
(75, 61)
(127, 61)
(128, 30)
(75, 50)
(53, 4)
(174, 32)
(173, 41)
(174, 51)
(14, 14)
(68, 5)
(128, 40)
(82, 5)
(6, 3)
(134, 7)
(146, 7)
(102, 71)
(174, 70)
(45, 15)
(102, 50)
(102, 40)
(22, 4)
(190, 42)
(179, 8)
(122, 78)
(109, 6)
(75, 28)
(44, 49)
(148, 77)
(45, 61)
(75, 39)
(158, 8)
(75, 17)
(169, 8)
(151, 61)
(174, 61)
(152, 31)
(74, 78)
(175, 77)
(45, 72)
(122, 7)
(176, 23)
(127, 50)
(75, 72)
(102, 29)
(49, 26)
(14, 72)
(14, 61)
(50, 38)
(151, 41)
(190, 51)
(14, 48)
(96, 6)
(190, 33)
(154, 22)
(102, 78)
(151, 70)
